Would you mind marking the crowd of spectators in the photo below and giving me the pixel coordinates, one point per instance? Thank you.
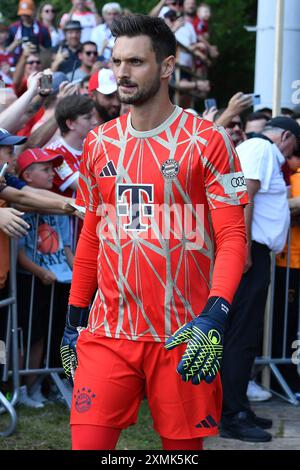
(57, 85)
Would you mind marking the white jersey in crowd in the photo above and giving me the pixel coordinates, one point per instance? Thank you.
(261, 160)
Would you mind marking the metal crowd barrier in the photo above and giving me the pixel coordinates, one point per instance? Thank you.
(270, 363)
(13, 341)
(11, 347)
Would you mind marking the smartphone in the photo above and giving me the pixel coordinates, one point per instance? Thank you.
(3, 169)
(255, 98)
(210, 103)
(46, 82)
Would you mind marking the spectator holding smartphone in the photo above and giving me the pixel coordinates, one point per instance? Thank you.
(27, 28)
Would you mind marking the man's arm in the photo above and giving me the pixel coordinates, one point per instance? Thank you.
(253, 187)
(156, 10)
(84, 281)
(45, 276)
(236, 105)
(10, 117)
(36, 200)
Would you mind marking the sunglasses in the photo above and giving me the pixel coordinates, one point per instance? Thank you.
(49, 10)
(91, 53)
(31, 62)
(231, 125)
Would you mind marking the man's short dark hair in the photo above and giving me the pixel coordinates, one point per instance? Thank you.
(71, 107)
(256, 116)
(162, 39)
(87, 43)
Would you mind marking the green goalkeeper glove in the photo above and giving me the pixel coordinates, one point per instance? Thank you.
(204, 334)
(77, 318)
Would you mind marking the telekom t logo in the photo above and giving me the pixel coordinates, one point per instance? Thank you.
(130, 203)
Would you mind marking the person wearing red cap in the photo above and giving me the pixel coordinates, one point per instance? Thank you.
(50, 264)
(103, 90)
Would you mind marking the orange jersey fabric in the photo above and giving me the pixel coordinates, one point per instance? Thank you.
(153, 192)
(282, 258)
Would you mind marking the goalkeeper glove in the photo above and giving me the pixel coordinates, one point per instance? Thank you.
(204, 334)
(77, 318)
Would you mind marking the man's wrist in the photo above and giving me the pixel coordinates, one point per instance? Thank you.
(77, 316)
(217, 308)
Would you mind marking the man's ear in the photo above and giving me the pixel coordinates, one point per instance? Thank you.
(26, 176)
(70, 124)
(168, 67)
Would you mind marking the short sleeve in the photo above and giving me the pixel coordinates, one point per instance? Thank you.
(256, 157)
(223, 177)
(87, 192)
(14, 182)
(66, 173)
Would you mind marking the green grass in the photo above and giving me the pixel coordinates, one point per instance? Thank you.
(48, 429)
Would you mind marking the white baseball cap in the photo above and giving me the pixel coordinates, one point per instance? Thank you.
(103, 81)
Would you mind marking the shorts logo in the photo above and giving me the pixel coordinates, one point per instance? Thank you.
(207, 423)
(83, 399)
(170, 169)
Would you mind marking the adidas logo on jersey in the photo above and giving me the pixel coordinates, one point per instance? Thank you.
(108, 170)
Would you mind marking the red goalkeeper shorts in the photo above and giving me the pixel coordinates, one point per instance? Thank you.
(114, 375)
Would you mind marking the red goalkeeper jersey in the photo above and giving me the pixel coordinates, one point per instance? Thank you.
(154, 191)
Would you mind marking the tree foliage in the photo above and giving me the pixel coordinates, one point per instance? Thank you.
(234, 69)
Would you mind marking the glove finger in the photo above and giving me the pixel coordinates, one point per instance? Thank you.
(208, 371)
(200, 374)
(201, 369)
(180, 336)
(215, 367)
(188, 358)
(65, 359)
(73, 366)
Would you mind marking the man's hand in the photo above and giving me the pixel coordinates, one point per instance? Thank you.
(210, 113)
(77, 318)
(11, 222)
(33, 81)
(204, 334)
(239, 103)
(67, 89)
(46, 277)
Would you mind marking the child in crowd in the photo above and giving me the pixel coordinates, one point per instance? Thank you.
(44, 263)
(202, 20)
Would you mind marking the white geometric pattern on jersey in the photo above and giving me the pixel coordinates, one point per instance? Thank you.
(137, 243)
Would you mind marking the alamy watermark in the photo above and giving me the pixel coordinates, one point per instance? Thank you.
(2, 353)
(150, 221)
(296, 93)
(296, 354)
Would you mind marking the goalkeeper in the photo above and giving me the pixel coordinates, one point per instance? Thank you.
(154, 287)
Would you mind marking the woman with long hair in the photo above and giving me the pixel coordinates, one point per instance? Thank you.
(47, 16)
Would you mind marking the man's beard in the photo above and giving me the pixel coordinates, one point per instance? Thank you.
(142, 95)
(104, 114)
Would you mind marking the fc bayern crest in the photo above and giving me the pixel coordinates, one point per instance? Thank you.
(170, 169)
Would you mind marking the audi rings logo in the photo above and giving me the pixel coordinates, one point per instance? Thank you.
(238, 182)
